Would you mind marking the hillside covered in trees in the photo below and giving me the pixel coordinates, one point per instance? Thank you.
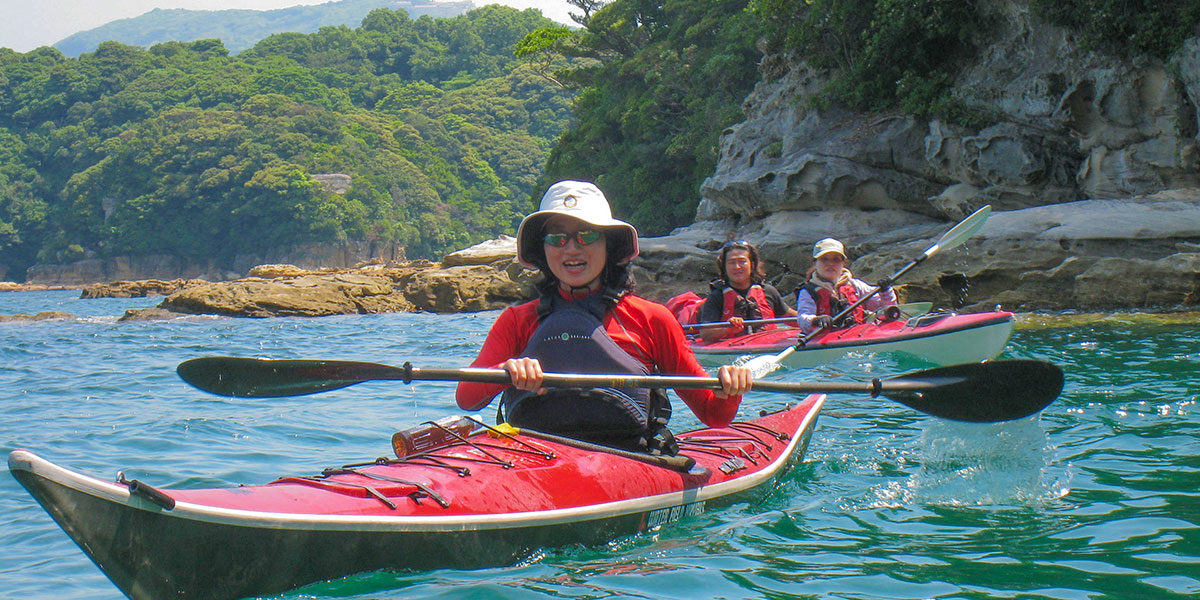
(450, 128)
(183, 149)
(241, 29)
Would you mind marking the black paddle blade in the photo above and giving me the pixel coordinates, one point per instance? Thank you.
(261, 378)
(984, 392)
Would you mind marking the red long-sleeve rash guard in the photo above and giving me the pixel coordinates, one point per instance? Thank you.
(644, 329)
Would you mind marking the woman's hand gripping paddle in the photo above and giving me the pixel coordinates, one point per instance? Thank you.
(764, 365)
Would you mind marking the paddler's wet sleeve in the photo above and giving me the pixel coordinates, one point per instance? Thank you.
(674, 357)
(506, 339)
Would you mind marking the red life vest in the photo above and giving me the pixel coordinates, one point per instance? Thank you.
(827, 304)
(734, 305)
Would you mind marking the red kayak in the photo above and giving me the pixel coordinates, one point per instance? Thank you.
(484, 499)
(937, 338)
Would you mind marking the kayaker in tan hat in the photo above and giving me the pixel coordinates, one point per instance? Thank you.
(830, 287)
(587, 321)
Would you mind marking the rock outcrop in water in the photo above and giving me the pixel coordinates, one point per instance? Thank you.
(46, 315)
(483, 277)
(138, 289)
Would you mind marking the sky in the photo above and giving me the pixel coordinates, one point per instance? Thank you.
(28, 24)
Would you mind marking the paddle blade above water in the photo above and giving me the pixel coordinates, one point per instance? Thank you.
(981, 392)
(961, 232)
(760, 366)
(262, 378)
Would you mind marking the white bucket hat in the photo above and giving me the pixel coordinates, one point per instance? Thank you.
(826, 246)
(585, 202)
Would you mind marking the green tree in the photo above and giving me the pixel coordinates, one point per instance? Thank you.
(657, 83)
(1126, 27)
(885, 53)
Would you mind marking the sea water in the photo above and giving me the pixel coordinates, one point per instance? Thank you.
(1096, 498)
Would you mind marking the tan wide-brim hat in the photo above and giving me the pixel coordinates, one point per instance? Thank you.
(583, 201)
(826, 246)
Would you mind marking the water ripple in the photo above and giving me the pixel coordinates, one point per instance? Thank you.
(1099, 497)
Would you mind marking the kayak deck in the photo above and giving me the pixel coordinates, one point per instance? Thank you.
(937, 338)
(488, 501)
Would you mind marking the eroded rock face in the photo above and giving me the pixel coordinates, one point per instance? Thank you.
(1088, 255)
(304, 296)
(484, 253)
(1139, 252)
(1069, 125)
(470, 288)
(1091, 164)
(138, 289)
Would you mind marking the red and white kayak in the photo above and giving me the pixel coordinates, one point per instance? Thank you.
(937, 338)
(483, 500)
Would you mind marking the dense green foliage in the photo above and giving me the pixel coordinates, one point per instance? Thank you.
(241, 29)
(451, 128)
(887, 53)
(905, 54)
(661, 80)
(1126, 27)
(183, 149)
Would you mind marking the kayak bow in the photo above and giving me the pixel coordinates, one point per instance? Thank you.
(492, 500)
(936, 338)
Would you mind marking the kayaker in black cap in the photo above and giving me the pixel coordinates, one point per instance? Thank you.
(740, 294)
(585, 320)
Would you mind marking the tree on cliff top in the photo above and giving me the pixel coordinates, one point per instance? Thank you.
(658, 83)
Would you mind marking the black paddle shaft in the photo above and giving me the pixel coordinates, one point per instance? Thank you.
(976, 392)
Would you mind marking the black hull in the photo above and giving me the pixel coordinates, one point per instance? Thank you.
(204, 560)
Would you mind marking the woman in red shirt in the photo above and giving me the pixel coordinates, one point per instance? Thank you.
(585, 320)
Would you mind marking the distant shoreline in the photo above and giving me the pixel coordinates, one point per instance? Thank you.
(9, 286)
(1024, 320)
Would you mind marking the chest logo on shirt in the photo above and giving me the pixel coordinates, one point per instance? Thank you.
(566, 337)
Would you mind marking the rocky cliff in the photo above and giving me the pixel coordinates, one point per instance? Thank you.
(1091, 164)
